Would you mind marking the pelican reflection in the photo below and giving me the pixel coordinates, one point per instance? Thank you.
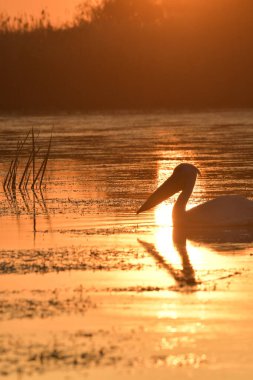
(183, 277)
(183, 253)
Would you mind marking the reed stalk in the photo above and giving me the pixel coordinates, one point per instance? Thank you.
(15, 166)
(33, 156)
(28, 176)
(6, 180)
(44, 164)
(25, 171)
(27, 179)
(38, 174)
(27, 168)
(11, 176)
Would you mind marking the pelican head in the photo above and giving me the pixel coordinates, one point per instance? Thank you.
(182, 179)
(225, 210)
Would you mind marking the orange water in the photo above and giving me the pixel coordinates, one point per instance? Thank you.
(80, 243)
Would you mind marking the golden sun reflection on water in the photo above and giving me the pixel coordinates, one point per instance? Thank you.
(163, 215)
(163, 233)
(199, 255)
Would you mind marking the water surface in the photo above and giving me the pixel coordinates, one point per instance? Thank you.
(86, 285)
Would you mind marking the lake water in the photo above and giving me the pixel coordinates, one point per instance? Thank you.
(87, 287)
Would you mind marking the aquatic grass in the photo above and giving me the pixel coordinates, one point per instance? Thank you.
(28, 178)
(11, 176)
(15, 167)
(10, 180)
(43, 166)
(31, 159)
(45, 161)
(8, 176)
(13, 173)
(25, 173)
(33, 154)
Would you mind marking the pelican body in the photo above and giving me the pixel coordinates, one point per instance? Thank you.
(225, 210)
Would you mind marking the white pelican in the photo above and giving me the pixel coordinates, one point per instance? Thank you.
(228, 210)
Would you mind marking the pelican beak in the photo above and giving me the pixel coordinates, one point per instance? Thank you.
(171, 186)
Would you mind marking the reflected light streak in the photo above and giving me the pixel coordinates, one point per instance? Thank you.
(163, 215)
(203, 257)
(163, 234)
(200, 257)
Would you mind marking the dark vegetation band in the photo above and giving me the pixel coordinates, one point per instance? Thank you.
(125, 54)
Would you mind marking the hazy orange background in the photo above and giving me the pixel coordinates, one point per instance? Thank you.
(59, 10)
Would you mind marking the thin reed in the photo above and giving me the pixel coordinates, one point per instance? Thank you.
(28, 178)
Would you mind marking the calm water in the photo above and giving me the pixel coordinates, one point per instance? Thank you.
(80, 238)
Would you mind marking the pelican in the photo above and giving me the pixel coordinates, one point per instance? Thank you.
(231, 210)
